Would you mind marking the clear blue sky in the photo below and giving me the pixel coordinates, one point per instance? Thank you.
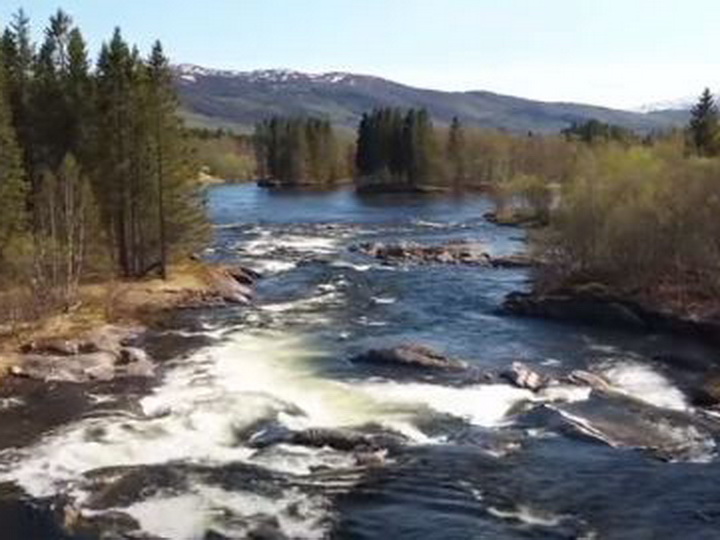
(612, 52)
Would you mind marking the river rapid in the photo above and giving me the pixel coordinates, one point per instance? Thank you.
(204, 453)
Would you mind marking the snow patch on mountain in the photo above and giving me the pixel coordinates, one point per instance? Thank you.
(680, 104)
(191, 72)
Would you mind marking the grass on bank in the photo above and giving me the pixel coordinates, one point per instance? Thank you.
(112, 302)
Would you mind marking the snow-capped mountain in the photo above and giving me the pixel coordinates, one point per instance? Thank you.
(191, 72)
(239, 99)
(677, 104)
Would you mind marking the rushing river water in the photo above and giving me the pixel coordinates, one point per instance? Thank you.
(186, 459)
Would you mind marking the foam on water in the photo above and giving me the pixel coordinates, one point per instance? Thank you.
(269, 242)
(527, 515)
(230, 513)
(644, 383)
(483, 405)
(206, 401)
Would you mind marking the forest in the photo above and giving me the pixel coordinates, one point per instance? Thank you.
(97, 177)
(638, 212)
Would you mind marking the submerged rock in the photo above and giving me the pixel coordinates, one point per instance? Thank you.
(414, 356)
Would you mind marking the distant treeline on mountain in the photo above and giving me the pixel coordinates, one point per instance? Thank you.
(239, 100)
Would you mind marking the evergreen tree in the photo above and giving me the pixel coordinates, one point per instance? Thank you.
(179, 213)
(703, 129)
(456, 153)
(297, 151)
(13, 188)
(19, 55)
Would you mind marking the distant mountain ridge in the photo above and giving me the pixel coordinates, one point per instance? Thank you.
(238, 99)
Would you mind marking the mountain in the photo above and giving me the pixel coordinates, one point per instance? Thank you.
(237, 100)
(679, 104)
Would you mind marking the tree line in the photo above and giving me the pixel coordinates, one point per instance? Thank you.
(299, 151)
(96, 176)
(395, 146)
(641, 214)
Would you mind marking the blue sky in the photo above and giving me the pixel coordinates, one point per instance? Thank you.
(619, 53)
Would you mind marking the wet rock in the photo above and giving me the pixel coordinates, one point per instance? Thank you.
(117, 487)
(83, 368)
(456, 253)
(112, 525)
(214, 535)
(130, 355)
(623, 422)
(523, 376)
(244, 275)
(370, 459)
(594, 303)
(134, 362)
(593, 380)
(414, 356)
(226, 286)
(53, 346)
(338, 439)
(268, 529)
(577, 305)
(110, 338)
(515, 219)
(79, 368)
(707, 394)
(517, 260)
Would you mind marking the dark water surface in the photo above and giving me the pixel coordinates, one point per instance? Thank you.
(476, 461)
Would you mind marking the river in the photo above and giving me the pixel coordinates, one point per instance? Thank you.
(185, 460)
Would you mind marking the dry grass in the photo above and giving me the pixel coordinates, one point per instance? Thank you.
(114, 302)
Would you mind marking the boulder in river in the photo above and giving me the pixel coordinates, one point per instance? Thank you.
(707, 393)
(413, 356)
(523, 376)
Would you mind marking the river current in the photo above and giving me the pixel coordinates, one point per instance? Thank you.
(476, 459)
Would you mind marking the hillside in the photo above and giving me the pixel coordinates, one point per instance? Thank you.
(236, 100)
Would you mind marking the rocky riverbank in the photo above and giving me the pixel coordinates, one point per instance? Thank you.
(102, 339)
(599, 304)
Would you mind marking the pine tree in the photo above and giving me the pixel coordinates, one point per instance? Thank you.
(703, 129)
(456, 153)
(19, 55)
(115, 116)
(179, 215)
(13, 188)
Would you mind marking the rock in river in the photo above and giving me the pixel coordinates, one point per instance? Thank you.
(455, 253)
(415, 356)
(524, 377)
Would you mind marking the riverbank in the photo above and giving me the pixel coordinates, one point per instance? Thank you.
(110, 313)
(678, 306)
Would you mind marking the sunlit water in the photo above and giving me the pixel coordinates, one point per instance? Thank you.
(477, 460)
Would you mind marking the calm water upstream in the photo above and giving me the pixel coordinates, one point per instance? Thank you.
(476, 460)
